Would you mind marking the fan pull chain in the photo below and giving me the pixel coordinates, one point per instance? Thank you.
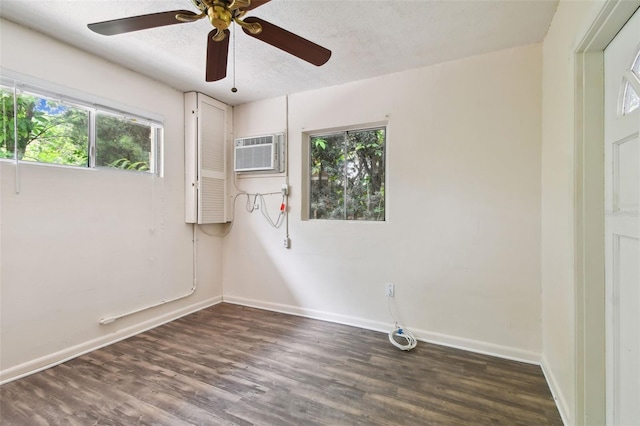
(234, 89)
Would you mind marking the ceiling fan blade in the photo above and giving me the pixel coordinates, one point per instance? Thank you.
(255, 4)
(217, 54)
(289, 42)
(136, 23)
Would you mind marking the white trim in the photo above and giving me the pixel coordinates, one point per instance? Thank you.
(83, 98)
(500, 351)
(51, 360)
(308, 313)
(556, 391)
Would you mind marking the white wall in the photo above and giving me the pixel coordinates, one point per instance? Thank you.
(78, 244)
(462, 236)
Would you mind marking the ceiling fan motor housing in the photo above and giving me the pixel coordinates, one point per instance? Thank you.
(219, 16)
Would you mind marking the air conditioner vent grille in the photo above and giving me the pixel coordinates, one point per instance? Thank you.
(258, 157)
(260, 153)
(260, 140)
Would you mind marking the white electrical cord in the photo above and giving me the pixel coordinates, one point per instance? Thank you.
(251, 207)
(286, 162)
(398, 332)
(265, 213)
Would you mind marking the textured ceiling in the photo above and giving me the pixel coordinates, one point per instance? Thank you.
(368, 38)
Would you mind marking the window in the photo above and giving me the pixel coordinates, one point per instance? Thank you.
(69, 132)
(122, 143)
(48, 131)
(630, 99)
(347, 175)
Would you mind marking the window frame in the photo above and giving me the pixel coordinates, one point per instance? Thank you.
(94, 105)
(307, 167)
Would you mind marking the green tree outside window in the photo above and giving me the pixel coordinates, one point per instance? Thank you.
(348, 175)
(50, 131)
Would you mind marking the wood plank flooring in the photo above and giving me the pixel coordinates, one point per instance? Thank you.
(232, 365)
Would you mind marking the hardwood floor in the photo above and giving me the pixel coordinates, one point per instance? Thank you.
(233, 365)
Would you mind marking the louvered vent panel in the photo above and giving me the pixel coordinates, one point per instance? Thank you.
(212, 154)
(205, 161)
(212, 200)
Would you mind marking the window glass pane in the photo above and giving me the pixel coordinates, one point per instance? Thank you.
(49, 131)
(365, 175)
(630, 100)
(7, 135)
(636, 65)
(123, 143)
(327, 177)
(347, 176)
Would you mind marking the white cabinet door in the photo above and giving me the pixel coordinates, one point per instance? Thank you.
(206, 131)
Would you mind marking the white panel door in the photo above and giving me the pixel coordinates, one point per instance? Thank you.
(622, 224)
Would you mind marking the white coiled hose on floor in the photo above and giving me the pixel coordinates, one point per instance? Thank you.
(405, 334)
(401, 333)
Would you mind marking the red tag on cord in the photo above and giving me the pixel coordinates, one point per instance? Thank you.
(282, 207)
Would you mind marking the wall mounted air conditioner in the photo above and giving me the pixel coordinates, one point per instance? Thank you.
(259, 154)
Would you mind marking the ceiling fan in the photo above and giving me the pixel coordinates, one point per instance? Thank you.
(221, 14)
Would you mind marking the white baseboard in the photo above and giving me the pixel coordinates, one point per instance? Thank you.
(556, 392)
(500, 351)
(308, 313)
(67, 354)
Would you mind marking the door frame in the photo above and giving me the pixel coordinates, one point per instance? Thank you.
(590, 319)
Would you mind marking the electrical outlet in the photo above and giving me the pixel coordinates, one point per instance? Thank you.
(285, 189)
(287, 243)
(389, 290)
